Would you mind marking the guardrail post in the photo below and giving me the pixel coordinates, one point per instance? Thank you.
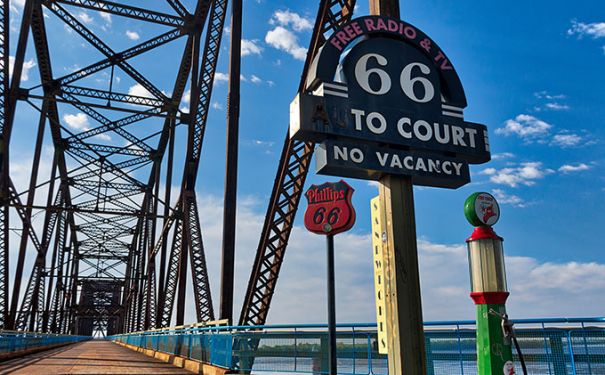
(556, 348)
(190, 346)
(179, 344)
(571, 353)
(295, 351)
(324, 364)
(586, 349)
(430, 363)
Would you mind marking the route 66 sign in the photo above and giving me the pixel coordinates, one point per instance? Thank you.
(383, 98)
(329, 210)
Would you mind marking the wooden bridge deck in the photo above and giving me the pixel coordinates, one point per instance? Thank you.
(89, 357)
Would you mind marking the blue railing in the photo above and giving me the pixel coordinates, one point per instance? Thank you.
(555, 346)
(15, 341)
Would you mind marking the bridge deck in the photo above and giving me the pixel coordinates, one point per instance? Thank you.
(89, 357)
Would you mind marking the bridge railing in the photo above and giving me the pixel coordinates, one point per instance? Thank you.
(550, 346)
(13, 342)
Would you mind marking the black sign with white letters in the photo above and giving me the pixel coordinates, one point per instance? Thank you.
(368, 162)
(392, 92)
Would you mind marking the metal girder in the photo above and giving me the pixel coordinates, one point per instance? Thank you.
(25, 217)
(287, 191)
(201, 284)
(102, 47)
(120, 56)
(178, 7)
(127, 11)
(111, 96)
(201, 91)
(9, 101)
(172, 277)
(4, 215)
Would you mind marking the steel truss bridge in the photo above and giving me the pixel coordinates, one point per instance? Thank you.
(116, 243)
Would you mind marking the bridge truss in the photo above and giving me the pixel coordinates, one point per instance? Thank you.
(115, 242)
(98, 265)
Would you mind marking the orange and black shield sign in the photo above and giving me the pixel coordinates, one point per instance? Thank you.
(330, 210)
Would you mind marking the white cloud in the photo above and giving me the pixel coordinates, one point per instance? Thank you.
(568, 168)
(217, 105)
(546, 95)
(566, 140)
(258, 142)
(105, 16)
(556, 106)
(27, 66)
(16, 5)
(505, 198)
(220, 77)
(288, 18)
(532, 129)
(85, 18)
(187, 96)
(285, 40)
(255, 79)
(78, 121)
(526, 174)
(526, 127)
(250, 47)
(503, 155)
(132, 35)
(139, 90)
(581, 29)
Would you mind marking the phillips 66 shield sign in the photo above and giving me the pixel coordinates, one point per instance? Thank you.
(330, 210)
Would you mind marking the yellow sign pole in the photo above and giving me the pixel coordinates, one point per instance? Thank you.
(405, 330)
(381, 265)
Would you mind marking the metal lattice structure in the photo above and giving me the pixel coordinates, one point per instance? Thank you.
(112, 252)
(95, 252)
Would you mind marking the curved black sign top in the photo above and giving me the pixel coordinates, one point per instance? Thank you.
(325, 64)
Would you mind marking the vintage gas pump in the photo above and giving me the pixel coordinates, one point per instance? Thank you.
(488, 287)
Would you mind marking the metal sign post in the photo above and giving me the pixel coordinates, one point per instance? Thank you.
(330, 211)
(332, 356)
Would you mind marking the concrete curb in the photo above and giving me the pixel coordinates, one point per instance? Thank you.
(22, 353)
(191, 365)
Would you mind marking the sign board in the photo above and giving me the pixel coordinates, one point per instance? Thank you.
(366, 161)
(482, 209)
(381, 280)
(330, 209)
(381, 86)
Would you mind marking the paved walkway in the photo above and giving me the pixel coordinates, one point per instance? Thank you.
(89, 357)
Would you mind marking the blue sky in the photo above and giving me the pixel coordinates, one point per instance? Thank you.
(532, 72)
